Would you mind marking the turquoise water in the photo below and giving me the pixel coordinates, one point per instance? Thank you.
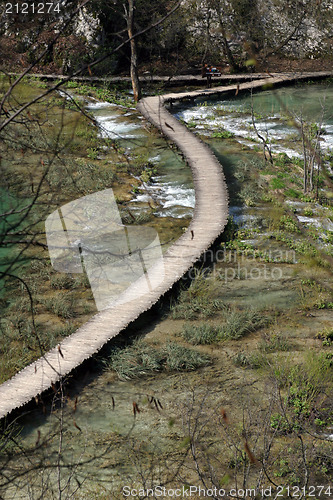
(277, 116)
(11, 221)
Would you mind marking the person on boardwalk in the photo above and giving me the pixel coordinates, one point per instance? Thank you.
(207, 72)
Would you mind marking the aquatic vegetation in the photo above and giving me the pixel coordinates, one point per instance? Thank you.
(288, 223)
(233, 325)
(222, 134)
(181, 358)
(141, 359)
(203, 333)
(237, 324)
(191, 308)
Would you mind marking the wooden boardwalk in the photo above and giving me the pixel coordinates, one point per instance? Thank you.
(179, 79)
(210, 217)
(149, 78)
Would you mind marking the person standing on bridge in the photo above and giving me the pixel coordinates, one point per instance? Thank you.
(207, 72)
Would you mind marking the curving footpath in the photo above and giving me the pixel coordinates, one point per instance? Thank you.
(209, 219)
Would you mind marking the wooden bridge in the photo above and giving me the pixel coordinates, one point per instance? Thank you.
(209, 219)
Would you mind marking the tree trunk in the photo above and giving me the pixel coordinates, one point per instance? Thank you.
(305, 176)
(231, 60)
(134, 57)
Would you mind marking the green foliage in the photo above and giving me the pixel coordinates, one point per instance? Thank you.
(92, 153)
(223, 134)
(149, 170)
(277, 183)
(305, 384)
(292, 193)
(326, 335)
(282, 160)
(288, 223)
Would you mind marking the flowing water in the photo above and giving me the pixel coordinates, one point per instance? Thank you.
(275, 113)
(172, 189)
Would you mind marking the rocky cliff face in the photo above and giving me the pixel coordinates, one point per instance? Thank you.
(293, 28)
(24, 36)
(304, 31)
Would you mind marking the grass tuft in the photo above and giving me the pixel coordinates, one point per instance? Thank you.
(181, 358)
(253, 360)
(200, 334)
(141, 359)
(239, 323)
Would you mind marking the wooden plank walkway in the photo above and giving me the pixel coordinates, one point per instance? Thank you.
(209, 219)
(180, 79)
(149, 78)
